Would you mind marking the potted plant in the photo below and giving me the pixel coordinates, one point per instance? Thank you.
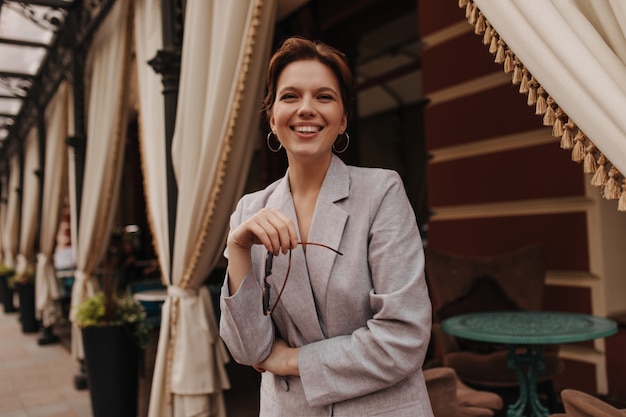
(6, 292)
(114, 332)
(24, 283)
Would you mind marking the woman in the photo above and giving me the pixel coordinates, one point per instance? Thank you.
(325, 292)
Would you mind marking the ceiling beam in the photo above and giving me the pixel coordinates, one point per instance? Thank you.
(47, 3)
(18, 42)
(390, 75)
(349, 19)
(71, 42)
(4, 96)
(9, 74)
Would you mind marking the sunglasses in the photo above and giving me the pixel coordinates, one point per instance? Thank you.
(268, 271)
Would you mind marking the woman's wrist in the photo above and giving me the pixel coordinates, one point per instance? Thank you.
(239, 264)
(292, 362)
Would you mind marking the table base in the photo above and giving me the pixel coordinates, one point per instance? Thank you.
(528, 400)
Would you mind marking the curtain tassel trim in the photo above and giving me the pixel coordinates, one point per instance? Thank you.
(606, 176)
(567, 140)
(170, 350)
(612, 189)
(621, 204)
(590, 163)
(600, 177)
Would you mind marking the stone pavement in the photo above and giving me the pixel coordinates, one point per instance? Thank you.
(36, 381)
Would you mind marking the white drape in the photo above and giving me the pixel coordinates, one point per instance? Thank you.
(106, 135)
(54, 188)
(30, 203)
(576, 51)
(226, 46)
(10, 231)
(148, 40)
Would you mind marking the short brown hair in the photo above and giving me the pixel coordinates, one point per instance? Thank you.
(299, 49)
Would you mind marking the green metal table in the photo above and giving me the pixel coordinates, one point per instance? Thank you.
(529, 329)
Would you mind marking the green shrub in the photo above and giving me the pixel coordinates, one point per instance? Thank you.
(99, 310)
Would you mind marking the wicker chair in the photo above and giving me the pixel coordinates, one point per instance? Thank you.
(458, 284)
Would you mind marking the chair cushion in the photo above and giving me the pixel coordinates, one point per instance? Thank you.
(580, 404)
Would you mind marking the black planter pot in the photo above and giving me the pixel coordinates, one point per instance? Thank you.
(26, 294)
(6, 295)
(112, 359)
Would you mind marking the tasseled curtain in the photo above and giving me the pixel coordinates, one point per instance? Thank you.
(569, 58)
(30, 203)
(148, 40)
(225, 51)
(54, 189)
(107, 81)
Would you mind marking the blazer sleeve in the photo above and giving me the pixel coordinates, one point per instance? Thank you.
(246, 331)
(392, 345)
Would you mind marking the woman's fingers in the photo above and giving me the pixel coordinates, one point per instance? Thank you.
(284, 236)
(268, 227)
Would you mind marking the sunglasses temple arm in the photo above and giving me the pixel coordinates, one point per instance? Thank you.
(282, 288)
(320, 245)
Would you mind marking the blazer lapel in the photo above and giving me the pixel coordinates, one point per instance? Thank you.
(297, 297)
(328, 226)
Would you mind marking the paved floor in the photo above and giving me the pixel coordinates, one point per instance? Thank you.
(36, 380)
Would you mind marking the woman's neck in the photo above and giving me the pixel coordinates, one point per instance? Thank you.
(305, 181)
(306, 178)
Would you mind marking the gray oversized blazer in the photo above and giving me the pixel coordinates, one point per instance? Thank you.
(362, 320)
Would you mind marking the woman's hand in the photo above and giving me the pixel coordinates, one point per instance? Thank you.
(268, 227)
(282, 360)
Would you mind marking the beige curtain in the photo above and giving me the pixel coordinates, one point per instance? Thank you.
(54, 189)
(106, 135)
(148, 40)
(10, 232)
(225, 50)
(569, 58)
(30, 204)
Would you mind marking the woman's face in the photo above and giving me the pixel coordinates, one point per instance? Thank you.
(308, 113)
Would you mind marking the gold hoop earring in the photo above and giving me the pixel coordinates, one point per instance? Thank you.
(345, 147)
(280, 145)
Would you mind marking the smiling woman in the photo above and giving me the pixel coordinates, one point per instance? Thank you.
(347, 334)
